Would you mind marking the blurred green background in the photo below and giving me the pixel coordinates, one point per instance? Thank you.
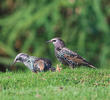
(84, 25)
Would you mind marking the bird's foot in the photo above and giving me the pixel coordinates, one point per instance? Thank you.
(58, 69)
(35, 72)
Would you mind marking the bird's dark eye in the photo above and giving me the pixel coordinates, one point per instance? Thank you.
(28, 61)
(20, 58)
(17, 59)
(54, 40)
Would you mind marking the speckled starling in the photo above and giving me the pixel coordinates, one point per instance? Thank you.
(66, 56)
(33, 63)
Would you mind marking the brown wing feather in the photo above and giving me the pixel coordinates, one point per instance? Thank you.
(40, 64)
(76, 59)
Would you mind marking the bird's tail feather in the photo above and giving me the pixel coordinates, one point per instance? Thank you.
(86, 63)
(91, 66)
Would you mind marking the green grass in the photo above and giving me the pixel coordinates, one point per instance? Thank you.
(77, 84)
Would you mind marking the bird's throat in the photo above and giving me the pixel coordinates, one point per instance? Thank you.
(58, 48)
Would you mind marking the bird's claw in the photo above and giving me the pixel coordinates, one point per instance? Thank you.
(58, 69)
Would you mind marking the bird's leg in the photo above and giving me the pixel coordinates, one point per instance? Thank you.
(34, 72)
(58, 68)
(71, 66)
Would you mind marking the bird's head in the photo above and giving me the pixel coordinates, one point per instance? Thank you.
(57, 42)
(21, 57)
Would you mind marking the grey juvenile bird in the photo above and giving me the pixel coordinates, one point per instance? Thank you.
(66, 56)
(33, 63)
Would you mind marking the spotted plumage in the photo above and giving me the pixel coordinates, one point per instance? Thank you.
(33, 63)
(66, 56)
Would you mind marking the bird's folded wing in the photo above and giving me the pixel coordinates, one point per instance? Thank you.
(72, 56)
(39, 64)
(75, 59)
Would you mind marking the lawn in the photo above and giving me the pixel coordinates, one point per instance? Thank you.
(77, 84)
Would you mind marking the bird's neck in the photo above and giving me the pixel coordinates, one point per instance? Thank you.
(28, 63)
(58, 48)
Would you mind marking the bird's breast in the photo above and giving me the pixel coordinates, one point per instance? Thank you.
(59, 54)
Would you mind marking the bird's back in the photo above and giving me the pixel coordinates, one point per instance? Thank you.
(70, 58)
(42, 64)
(63, 54)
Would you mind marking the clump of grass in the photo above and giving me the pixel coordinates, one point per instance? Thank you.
(79, 83)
